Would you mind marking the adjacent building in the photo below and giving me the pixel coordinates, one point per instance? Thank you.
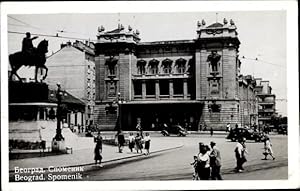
(74, 68)
(193, 83)
(248, 101)
(266, 102)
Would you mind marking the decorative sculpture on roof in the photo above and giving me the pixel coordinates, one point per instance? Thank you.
(120, 26)
(203, 22)
(137, 32)
(231, 22)
(129, 28)
(214, 59)
(225, 21)
(198, 24)
(101, 29)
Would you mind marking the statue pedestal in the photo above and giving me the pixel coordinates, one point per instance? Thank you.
(58, 146)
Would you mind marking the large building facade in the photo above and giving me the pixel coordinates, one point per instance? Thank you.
(193, 83)
(74, 68)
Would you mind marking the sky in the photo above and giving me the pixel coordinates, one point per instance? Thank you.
(262, 35)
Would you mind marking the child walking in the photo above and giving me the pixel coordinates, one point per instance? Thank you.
(194, 164)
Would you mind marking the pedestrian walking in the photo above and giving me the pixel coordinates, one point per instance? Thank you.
(121, 141)
(98, 149)
(215, 162)
(138, 143)
(194, 164)
(147, 143)
(139, 128)
(211, 131)
(131, 141)
(204, 163)
(240, 151)
(268, 148)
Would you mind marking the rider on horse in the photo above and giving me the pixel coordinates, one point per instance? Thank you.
(27, 46)
(29, 56)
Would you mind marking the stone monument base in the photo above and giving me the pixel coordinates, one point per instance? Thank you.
(58, 146)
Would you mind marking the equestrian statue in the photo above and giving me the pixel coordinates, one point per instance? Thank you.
(29, 56)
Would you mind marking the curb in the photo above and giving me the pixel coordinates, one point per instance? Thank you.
(113, 160)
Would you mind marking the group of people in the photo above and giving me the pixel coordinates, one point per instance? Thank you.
(138, 142)
(207, 163)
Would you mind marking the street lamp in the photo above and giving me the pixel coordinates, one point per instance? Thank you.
(58, 140)
(119, 111)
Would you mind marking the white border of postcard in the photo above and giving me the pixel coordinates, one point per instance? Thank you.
(160, 6)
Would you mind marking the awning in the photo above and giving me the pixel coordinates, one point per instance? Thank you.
(41, 104)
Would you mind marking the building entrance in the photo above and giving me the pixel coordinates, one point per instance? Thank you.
(155, 115)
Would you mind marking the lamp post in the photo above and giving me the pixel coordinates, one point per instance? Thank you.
(58, 141)
(119, 111)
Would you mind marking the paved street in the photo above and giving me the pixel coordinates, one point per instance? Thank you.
(170, 160)
(175, 164)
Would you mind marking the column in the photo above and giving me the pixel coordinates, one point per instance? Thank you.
(143, 89)
(157, 93)
(171, 90)
(82, 119)
(185, 88)
(38, 114)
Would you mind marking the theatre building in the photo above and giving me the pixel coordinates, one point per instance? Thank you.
(193, 83)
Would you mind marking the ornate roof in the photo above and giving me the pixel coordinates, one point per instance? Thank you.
(215, 25)
(114, 31)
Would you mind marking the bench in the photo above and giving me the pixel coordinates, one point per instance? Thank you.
(69, 149)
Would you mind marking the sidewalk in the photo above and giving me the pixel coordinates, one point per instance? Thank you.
(85, 156)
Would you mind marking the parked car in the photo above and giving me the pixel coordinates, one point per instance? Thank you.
(249, 134)
(282, 129)
(173, 129)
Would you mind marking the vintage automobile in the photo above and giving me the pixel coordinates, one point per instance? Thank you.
(282, 129)
(173, 129)
(249, 134)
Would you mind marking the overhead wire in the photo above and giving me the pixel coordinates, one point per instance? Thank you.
(53, 36)
(23, 22)
(47, 35)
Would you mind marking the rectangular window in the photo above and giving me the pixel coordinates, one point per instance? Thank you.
(164, 87)
(137, 88)
(150, 87)
(178, 86)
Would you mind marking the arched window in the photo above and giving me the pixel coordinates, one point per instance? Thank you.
(180, 65)
(141, 67)
(167, 66)
(153, 66)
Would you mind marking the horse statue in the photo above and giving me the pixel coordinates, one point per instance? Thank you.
(37, 58)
